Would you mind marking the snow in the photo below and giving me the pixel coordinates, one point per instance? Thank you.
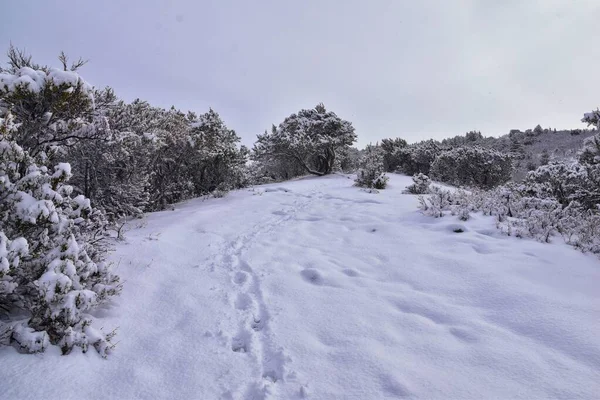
(313, 288)
(35, 80)
(60, 77)
(61, 170)
(27, 77)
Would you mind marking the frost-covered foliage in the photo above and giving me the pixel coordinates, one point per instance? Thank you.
(418, 158)
(592, 118)
(53, 107)
(472, 166)
(50, 268)
(558, 199)
(307, 142)
(152, 157)
(215, 157)
(519, 214)
(372, 173)
(436, 203)
(562, 180)
(391, 153)
(349, 159)
(421, 184)
(126, 158)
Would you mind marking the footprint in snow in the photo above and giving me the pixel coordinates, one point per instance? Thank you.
(482, 249)
(240, 278)
(310, 218)
(463, 334)
(350, 272)
(243, 301)
(280, 212)
(420, 310)
(313, 276)
(393, 387)
(241, 342)
(257, 324)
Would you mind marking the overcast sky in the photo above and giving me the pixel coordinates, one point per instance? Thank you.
(413, 69)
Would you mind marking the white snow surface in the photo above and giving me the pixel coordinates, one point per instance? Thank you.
(316, 289)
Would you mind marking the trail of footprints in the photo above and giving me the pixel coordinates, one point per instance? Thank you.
(254, 337)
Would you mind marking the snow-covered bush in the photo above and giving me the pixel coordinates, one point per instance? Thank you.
(472, 166)
(349, 159)
(420, 185)
(562, 180)
(154, 157)
(52, 268)
(53, 107)
(391, 153)
(372, 173)
(49, 267)
(521, 212)
(436, 203)
(560, 198)
(417, 158)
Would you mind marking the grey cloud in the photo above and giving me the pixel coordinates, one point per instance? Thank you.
(394, 68)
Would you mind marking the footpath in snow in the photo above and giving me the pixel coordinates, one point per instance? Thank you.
(315, 289)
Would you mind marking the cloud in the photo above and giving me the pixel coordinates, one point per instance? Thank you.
(410, 69)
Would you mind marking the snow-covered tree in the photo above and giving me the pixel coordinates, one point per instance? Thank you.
(472, 166)
(372, 173)
(417, 158)
(111, 169)
(592, 118)
(349, 159)
(54, 107)
(51, 249)
(49, 266)
(391, 155)
(311, 139)
(153, 157)
(217, 161)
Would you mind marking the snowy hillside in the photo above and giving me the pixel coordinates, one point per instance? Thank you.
(315, 289)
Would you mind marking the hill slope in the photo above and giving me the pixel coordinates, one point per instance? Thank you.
(313, 288)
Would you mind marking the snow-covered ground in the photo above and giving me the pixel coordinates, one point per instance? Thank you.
(315, 289)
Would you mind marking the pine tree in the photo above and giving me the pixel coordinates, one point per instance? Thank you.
(51, 269)
(311, 140)
(51, 252)
(472, 166)
(372, 172)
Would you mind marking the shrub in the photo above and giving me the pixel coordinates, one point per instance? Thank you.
(436, 203)
(420, 185)
(372, 174)
(472, 166)
(50, 267)
(418, 157)
(391, 154)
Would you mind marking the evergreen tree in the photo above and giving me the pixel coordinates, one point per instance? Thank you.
(372, 172)
(472, 166)
(50, 266)
(311, 139)
(391, 157)
(51, 250)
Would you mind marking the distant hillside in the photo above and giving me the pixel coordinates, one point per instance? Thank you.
(530, 148)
